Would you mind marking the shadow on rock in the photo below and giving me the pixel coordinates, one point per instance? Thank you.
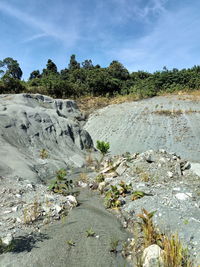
(27, 243)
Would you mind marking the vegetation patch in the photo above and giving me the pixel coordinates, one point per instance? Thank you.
(61, 184)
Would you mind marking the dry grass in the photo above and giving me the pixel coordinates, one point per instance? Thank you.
(88, 104)
(83, 177)
(32, 212)
(174, 254)
(167, 112)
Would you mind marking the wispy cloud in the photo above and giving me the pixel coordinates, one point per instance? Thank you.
(68, 35)
(172, 42)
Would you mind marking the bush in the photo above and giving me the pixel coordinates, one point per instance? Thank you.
(103, 147)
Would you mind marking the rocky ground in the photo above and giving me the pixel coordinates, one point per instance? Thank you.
(40, 135)
(161, 182)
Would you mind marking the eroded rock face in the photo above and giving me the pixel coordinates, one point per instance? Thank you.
(159, 122)
(30, 123)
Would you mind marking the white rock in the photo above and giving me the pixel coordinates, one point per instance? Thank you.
(15, 208)
(121, 169)
(72, 200)
(57, 208)
(108, 180)
(7, 211)
(19, 220)
(183, 196)
(152, 256)
(7, 240)
(101, 186)
(82, 184)
(170, 174)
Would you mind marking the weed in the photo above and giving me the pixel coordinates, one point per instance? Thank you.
(71, 243)
(89, 160)
(112, 196)
(124, 188)
(90, 232)
(103, 147)
(144, 177)
(137, 195)
(83, 177)
(127, 155)
(151, 236)
(174, 253)
(61, 184)
(32, 212)
(43, 154)
(114, 244)
(99, 178)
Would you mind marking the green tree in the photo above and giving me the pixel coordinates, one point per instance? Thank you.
(117, 70)
(51, 68)
(10, 67)
(73, 64)
(35, 74)
(87, 64)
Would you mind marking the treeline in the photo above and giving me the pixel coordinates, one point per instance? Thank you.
(87, 79)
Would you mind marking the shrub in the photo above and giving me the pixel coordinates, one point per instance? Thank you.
(61, 184)
(103, 147)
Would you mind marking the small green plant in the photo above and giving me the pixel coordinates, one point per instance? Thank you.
(90, 232)
(71, 243)
(124, 188)
(114, 244)
(99, 178)
(137, 195)
(127, 155)
(103, 147)
(43, 153)
(61, 184)
(112, 196)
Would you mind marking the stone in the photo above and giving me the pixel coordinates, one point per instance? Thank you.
(195, 167)
(58, 208)
(152, 257)
(101, 186)
(7, 240)
(183, 196)
(170, 174)
(121, 169)
(72, 201)
(186, 166)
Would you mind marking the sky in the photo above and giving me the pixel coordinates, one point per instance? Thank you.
(141, 34)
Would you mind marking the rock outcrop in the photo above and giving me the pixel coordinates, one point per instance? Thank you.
(160, 122)
(30, 124)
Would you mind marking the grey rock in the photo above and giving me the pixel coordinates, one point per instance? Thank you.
(152, 257)
(31, 123)
(135, 127)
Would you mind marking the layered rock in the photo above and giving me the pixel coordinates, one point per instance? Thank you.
(32, 123)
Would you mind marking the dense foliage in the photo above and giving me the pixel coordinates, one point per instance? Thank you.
(86, 79)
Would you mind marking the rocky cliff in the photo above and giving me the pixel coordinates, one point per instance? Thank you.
(30, 124)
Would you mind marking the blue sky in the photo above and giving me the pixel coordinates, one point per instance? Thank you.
(141, 34)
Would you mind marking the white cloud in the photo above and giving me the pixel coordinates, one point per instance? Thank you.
(68, 36)
(172, 42)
